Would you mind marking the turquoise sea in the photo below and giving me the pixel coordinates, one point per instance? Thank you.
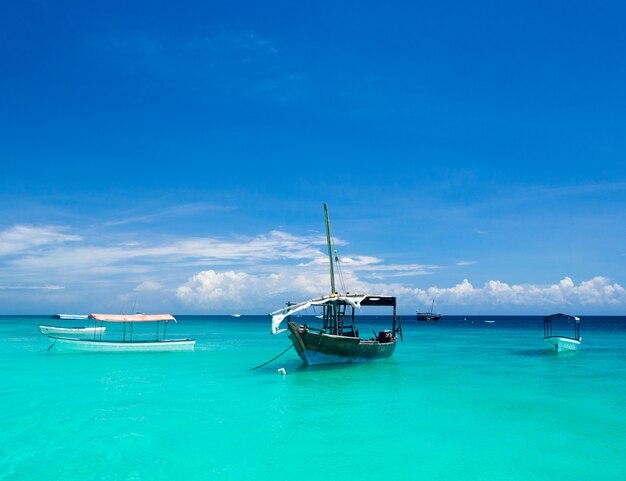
(461, 399)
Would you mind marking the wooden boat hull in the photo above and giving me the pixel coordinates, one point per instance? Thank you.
(317, 348)
(91, 345)
(559, 343)
(71, 330)
(428, 318)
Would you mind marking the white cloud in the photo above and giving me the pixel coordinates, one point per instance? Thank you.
(374, 267)
(231, 288)
(20, 238)
(398, 270)
(148, 286)
(180, 210)
(466, 263)
(236, 288)
(596, 291)
(255, 271)
(481, 232)
(21, 288)
(134, 257)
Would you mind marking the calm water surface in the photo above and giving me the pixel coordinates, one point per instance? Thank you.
(460, 400)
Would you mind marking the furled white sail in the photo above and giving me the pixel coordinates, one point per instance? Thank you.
(279, 315)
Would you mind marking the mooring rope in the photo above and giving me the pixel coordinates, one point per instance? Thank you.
(48, 348)
(273, 359)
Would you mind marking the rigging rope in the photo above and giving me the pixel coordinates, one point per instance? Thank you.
(338, 264)
(273, 359)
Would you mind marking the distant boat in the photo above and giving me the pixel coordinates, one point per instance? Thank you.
(71, 330)
(338, 340)
(429, 316)
(235, 315)
(98, 344)
(490, 322)
(561, 343)
(73, 317)
(76, 330)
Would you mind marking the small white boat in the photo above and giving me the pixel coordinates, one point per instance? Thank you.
(561, 343)
(124, 345)
(490, 322)
(235, 315)
(71, 317)
(71, 330)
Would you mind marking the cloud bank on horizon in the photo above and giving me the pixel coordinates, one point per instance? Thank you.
(246, 273)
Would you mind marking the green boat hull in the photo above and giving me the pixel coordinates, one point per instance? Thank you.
(321, 348)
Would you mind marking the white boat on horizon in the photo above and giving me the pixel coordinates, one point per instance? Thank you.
(561, 343)
(101, 345)
(71, 330)
(71, 317)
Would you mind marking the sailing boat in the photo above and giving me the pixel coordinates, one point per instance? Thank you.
(338, 340)
(429, 316)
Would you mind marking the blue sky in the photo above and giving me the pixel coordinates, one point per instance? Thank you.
(180, 154)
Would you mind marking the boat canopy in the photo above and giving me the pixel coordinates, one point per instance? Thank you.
(355, 300)
(132, 317)
(547, 325)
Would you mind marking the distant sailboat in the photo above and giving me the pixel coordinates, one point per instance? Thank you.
(429, 316)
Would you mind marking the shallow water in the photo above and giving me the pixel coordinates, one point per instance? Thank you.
(460, 399)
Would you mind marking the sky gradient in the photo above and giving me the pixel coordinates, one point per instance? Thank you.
(178, 155)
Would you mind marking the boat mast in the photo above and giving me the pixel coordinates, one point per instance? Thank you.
(330, 253)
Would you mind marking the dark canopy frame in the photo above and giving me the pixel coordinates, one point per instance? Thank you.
(547, 325)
